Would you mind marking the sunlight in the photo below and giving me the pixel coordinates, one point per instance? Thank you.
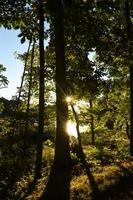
(69, 99)
(71, 129)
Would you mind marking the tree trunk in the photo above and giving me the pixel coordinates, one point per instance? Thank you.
(29, 96)
(92, 123)
(41, 92)
(20, 90)
(130, 48)
(62, 154)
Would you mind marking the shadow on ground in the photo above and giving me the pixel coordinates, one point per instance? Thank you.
(58, 186)
(14, 166)
(95, 191)
(8, 179)
(121, 190)
(29, 190)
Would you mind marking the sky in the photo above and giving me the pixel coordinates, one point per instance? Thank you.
(9, 44)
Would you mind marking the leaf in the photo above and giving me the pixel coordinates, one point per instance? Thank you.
(22, 40)
(20, 35)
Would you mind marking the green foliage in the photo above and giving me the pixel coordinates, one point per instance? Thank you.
(48, 153)
(3, 79)
(5, 127)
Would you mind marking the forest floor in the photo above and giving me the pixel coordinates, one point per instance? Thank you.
(109, 182)
(105, 174)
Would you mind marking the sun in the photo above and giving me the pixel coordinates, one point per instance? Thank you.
(71, 129)
(69, 100)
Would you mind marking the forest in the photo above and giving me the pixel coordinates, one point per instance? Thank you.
(67, 134)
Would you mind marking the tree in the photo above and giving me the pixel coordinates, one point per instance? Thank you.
(3, 79)
(62, 154)
(29, 96)
(116, 44)
(41, 92)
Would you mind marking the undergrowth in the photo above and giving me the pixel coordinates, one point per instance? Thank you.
(108, 162)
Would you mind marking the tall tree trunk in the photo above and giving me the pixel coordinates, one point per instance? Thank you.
(41, 92)
(130, 48)
(22, 80)
(20, 90)
(62, 154)
(92, 123)
(29, 96)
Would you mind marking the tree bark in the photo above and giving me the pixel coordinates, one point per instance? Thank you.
(29, 96)
(22, 80)
(41, 92)
(62, 153)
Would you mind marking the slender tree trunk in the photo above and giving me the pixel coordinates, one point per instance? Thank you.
(92, 123)
(22, 81)
(29, 96)
(130, 48)
(20, 90)
(62, 154)
(41, 92)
